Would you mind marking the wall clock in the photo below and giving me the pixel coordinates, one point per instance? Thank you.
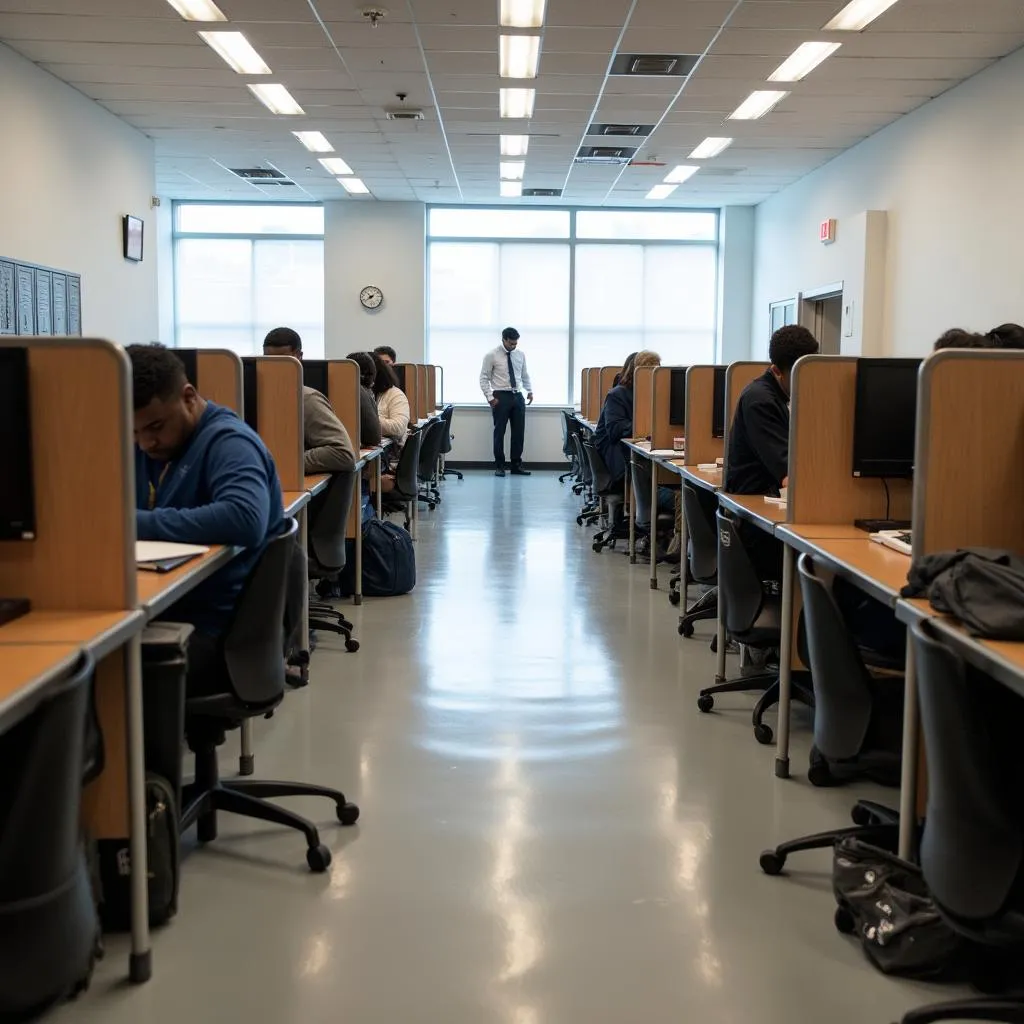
(371, 297)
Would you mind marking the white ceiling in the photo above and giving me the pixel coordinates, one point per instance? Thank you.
(138, 59)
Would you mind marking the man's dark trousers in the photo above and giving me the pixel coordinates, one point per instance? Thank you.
(511, 407)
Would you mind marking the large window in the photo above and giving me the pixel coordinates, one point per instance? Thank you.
(240, 270)
(584, 288)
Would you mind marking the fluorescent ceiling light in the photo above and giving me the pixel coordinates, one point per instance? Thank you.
(236, 51)
(518, 56)
(276, 98)
(315, 142)
(514, 145)
(512, 170)
(661, 191)
(198, 10)
(710, 147)
(522, 13)
(804, 59)
(336, 166)
(511, 189)
(756, 105)
(680, 174)
(517, 102)
(857, 15)
(354, 186)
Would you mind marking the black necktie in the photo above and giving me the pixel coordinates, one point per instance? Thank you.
(511, 372)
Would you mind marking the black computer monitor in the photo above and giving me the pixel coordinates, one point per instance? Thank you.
(885, 418)
(400, 374)
(677, 400)
(718, 403)
(314, 374)
(17, 502)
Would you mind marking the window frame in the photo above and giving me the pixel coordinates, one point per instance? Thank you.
(572, 241)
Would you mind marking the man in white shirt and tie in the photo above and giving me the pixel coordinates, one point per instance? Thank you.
(503, 379)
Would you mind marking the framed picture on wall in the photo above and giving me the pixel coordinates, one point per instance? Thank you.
(59, 306)
(44, 318)
(74, 305)
(132, 230)
(26, 300)
(8, 300)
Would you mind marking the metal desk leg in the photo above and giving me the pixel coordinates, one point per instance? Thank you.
(415, 517)
(684, 560)
(357, 597)
(140, 961)
(654, 525)
(721, 640)
(785, 663)
(628, 496)
(908, 777)
(379, 471)
(304, 541)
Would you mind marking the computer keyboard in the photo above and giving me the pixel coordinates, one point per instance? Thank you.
(898, 540)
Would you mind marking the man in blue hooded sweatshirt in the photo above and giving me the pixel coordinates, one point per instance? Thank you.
(202, 476)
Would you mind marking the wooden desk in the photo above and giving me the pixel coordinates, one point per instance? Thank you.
(295, 501)
(763, 514)
(317, 482)
(159, 590)
(26, 670)
(100, 632)
(709, 480)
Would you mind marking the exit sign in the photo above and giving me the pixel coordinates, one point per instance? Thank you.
(827, 232)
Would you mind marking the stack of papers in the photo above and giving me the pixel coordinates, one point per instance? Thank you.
(162, 556)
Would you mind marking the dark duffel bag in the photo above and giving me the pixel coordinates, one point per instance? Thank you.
(389, 559)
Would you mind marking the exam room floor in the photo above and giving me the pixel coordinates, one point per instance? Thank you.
(551, 832)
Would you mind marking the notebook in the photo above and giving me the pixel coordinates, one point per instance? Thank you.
(162, 556)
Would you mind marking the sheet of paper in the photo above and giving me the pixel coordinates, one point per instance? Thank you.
(158, 550)
(667, 451)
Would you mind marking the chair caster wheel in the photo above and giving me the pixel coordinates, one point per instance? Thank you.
(673, 597)
(318, 858)
(819, 774)
(844, 921)
(763, 733)
(597, 548)
(351, 646)
(705, 702)
(714, 644)
(686, 629)
(348, 814)
(861, 816)
(772, 863)
(579, 520)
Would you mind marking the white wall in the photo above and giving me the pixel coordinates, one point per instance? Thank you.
(473, 430)
(383, 244)
(946, 253)
(71, 171)
(735, 282)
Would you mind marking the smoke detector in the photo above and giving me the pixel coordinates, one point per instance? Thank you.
(374, 15)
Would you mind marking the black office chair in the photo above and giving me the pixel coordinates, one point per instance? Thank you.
(700, 507)
(250, 683)
(327, 552)
(591, 510)
(753, 618)
(567, 447)
(430, 457)
(49, 929)
(406, 489)
(446, 441)
(858, 722)
(972, 848)
(611, 492)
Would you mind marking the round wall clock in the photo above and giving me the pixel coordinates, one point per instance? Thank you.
(371, 297)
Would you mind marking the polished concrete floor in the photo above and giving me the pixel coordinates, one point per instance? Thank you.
(551, 832)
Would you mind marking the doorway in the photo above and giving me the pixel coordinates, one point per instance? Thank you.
(821, 312)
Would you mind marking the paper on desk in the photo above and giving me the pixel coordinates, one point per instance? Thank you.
(159, 550)
(668, 451)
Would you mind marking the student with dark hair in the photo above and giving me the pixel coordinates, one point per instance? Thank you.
(325, 440)
(369, 418)
(387, 353)
(201, 477)
(392, 402)
(615, 423)
(627, 367)
(1007, 336)
(957, 337)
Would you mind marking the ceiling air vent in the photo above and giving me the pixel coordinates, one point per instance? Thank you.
(661, 65)
(605, 154)
(262, 175)
(542, 193)
(621, 130)
(405, 114)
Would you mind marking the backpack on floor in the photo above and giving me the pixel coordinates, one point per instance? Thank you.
(389, 559)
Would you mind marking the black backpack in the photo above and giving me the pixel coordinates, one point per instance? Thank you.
(389, 559)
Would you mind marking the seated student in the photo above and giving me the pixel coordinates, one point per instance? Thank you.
(325, 440)
(387, 353)
(201, 477)
(1003, 336)
(392, 402)
(617, 379)
(369, 417)
(1007, 336)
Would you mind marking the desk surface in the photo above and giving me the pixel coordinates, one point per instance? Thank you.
(710, 480)
(26, 670)
(876, 569)
(754, 508)
(159, 590)
(369, 454)
(100, 632)
(295, 500)
(317, 482)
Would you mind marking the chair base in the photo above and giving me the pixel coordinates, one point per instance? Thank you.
(768, 683)
(875, 823)
(1010, 1010)
(451, 472)
(705, 607)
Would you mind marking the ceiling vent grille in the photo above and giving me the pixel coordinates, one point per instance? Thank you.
(636, 131)
(542, 193)
(656, 65)
(605, 154)
(262, 175)
(405, 114)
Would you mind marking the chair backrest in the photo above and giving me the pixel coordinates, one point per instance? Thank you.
(973, 841)
(699, 508)
(566, 446)
(328, 527)
(42, 761)
(406, 480)
(641, 473)
(842, 685)
(740, 593)
(602, 478)
(586, 474)
(254, 641)
(430, 447)
(446, 418)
